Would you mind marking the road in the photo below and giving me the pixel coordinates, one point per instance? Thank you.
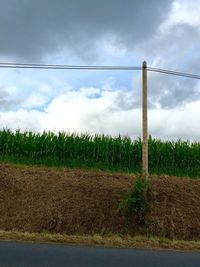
(48, 255)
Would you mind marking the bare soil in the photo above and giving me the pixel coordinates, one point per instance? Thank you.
(71, 201)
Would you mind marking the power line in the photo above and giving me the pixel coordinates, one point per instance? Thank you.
(176, 73)
(94, 67)
(69, 67)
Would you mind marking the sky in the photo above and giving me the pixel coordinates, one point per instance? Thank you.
(166, 34)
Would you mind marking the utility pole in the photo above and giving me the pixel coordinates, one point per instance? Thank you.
(144, 123)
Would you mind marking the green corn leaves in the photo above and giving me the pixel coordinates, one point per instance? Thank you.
(100, 152)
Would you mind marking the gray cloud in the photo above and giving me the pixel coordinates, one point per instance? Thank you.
(6, 100)
(3, 96)
(33, 29)
(176, 49)
(173, 45)
(171, 91)
(30, 30)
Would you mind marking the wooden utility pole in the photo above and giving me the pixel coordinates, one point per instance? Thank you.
(144, 123)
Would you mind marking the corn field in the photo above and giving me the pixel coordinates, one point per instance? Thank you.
(180, 158)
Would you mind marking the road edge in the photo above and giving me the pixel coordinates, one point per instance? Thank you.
(109, 240)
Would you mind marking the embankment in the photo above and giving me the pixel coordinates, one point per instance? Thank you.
(71, 201)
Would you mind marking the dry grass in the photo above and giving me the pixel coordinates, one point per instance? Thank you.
(36, 199)
(114, 241)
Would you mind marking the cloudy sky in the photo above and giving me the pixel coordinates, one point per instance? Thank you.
(108, 32)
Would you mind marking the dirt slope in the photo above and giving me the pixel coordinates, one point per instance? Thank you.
(36, 199)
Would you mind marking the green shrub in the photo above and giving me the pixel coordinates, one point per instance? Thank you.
(136, 202)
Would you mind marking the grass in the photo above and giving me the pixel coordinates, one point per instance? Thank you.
(113, 241)
(180, 158)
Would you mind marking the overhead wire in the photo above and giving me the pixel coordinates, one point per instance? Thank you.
(176, 73)
(94, 67)
(70, 67)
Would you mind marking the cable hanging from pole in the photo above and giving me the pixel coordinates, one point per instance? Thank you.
(69, 67)
(176, 73)
(94, 67)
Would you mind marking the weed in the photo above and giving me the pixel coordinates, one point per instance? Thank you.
(136, 202)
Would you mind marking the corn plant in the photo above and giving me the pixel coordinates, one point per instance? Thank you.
(180, 158)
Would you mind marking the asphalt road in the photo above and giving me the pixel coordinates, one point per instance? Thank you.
(28, 255)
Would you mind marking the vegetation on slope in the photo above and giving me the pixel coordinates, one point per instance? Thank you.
(73, 201)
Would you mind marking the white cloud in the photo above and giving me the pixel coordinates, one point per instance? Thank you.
(34, 100)
(45, 88)
(113, 47)
(22, 119)
(176, 123)
(184, 11)
(75, 111)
